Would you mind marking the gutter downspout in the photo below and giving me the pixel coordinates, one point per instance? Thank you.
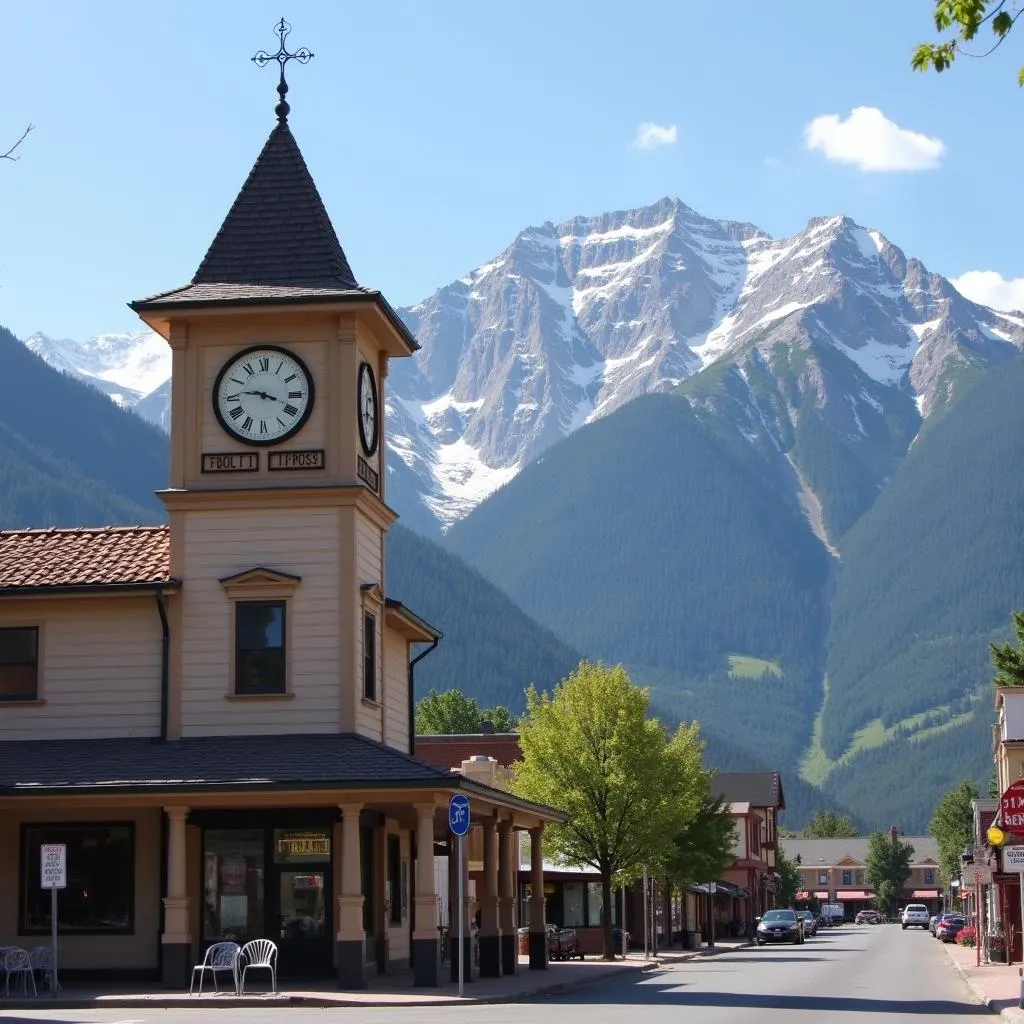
(412, 692)
(165, 654)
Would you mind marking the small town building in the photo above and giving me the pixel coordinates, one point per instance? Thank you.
(835, 871)
(214, 717)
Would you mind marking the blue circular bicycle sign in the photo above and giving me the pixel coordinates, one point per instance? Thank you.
(458, 814)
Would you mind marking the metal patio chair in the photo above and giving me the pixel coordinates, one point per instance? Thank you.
(17, 961)
(220, 957)
(262, 955)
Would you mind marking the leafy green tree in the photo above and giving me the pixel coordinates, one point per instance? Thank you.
(703, 848)
(1008, 659)
(952, 825)
(789, 881)
(628, 786)
(965, 19)
(887, 868)
(829, 824)
(453, 713)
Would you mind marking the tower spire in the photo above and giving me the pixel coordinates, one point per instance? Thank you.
(262, 59)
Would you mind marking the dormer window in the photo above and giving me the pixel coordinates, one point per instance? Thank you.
(260, 648)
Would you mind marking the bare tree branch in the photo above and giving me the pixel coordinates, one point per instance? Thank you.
(9, 155)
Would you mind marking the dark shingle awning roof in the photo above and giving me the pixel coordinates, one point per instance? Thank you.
(135, 764)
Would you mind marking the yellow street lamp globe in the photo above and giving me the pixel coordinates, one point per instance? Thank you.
(995, 836)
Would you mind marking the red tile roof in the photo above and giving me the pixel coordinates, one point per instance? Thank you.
(111, 556)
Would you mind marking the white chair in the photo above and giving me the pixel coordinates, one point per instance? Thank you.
(220, 957)
(261, 954)
(41, 959)
(17, 961)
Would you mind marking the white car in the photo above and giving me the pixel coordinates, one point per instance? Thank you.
(915, 914)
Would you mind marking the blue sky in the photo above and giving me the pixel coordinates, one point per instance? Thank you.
(437, 131)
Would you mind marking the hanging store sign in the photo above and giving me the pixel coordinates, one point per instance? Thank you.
(1011, 809)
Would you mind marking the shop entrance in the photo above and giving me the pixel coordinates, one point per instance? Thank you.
(273, 883)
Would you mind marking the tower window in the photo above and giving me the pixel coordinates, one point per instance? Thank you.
(369, 657)
(259, 647)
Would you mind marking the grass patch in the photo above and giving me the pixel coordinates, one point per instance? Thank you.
(742, 666)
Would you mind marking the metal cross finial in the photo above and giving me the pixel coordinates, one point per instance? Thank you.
(262, 59)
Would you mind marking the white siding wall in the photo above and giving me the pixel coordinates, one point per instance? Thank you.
(304, 543)
(396, 690)
(99, 672)
(1013, 715)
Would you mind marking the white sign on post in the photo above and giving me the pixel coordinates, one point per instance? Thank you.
(1013, 858)
(53, 866)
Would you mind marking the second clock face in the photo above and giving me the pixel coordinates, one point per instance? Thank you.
(263, 395)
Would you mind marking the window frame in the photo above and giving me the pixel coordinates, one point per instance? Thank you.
(23, 879)
(237, 649)
(36, 697)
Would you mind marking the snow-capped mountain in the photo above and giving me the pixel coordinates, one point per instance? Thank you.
(573, 320)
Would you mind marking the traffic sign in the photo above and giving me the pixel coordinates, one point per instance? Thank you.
(1011, 809)
(53, 866)
(458, 814)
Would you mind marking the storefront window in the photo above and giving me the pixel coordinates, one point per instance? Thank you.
(233, 884)
(100, 894)
(573, 908)
(594, 915)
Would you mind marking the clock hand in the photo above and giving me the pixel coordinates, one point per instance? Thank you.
(262, 394)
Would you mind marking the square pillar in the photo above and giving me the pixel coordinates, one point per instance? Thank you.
(507, 870)
(490, 931)
(469, 967)
(426, 937)
(350, 940)
(538, 929)
(176, 940)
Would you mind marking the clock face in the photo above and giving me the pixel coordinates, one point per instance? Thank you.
(263, 395)
(369, 421)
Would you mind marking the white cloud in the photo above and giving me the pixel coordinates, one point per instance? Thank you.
(990, 288)
(870, 141)
(648, 135)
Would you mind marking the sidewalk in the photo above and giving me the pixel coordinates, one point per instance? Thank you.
(393, 990)
(998, 986)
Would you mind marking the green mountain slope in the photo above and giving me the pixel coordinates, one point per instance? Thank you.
(68, 455)
(490, 650)
(931, 573)
(652, 539)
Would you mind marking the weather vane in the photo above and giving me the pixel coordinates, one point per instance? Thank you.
(262, 59)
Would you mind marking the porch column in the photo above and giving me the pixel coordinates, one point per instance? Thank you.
(425, 937)
(350, 940)
(490, 930)
(507, 864)
(538, 933)
(469, 971)
(176, 940)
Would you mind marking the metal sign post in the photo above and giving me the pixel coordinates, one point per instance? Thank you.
(458, 822)
(53, 875)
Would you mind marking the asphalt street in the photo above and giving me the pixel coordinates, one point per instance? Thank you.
(854, 973)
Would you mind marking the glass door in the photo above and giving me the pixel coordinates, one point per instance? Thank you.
(301, 889)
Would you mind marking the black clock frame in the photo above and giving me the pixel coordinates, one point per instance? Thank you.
(296, 427)
(369, 444)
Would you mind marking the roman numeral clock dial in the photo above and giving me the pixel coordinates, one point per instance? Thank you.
(263, 395)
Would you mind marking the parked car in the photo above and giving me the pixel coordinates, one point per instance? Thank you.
(915, 915)
(933, 922)
(810, 922)
(779, 926)
(868, 917)
(949, 927)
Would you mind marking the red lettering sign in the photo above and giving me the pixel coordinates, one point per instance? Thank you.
(1011, 809)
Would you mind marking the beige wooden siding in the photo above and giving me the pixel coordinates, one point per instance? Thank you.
(99, 670)
(368, 536)
(303, 543)
(396, 690)
(77, 952)
(313, 432)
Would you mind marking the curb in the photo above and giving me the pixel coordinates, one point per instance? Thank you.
(326, 1002)
(982, 997)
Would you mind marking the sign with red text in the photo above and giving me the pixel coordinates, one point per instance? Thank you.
(1011, 809)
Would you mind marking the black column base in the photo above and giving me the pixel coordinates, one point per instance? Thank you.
(177, 965)
(351, 956)
(468, 972)
(490, 956)
(509, 954)
(426, 962)
(538, 951)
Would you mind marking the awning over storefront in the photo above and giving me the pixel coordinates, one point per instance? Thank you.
(803, 895)
(925, 894)
(719, 888)
(853, 894)
(821, 894)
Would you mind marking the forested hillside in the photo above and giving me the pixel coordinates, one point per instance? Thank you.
(490, 649)
(648, 538)
(68, 455)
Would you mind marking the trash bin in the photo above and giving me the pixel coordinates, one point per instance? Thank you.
(524, 941)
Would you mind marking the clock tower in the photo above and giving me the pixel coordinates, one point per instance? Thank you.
(277, 498)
